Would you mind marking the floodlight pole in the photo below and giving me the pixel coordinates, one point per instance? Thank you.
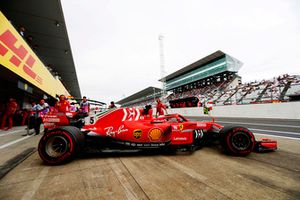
(162, 65)
(154, 95)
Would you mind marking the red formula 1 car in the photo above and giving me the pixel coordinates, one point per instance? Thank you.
(133, 128)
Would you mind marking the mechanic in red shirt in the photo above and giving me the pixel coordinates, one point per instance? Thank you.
(10, 110)
(160, 107)
(63, 105)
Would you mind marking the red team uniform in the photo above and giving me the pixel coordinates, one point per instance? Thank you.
(160, 107)
(63, 106)
(10, 110)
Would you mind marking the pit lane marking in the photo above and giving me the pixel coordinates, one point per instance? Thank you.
(10, 132)
(283, 132)
(291, 138)
(123, 180)
(36, 184)
(275, 125)
(190, 172)
(193, 174)
(14, 142)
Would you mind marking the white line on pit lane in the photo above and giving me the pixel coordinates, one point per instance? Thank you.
(283, 132)
(275, 125)
(291, 138)
(10, 132)
(14, 142)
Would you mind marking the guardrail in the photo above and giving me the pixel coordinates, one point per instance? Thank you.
(286, 110)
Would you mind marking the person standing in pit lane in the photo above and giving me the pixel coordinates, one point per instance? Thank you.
(8, 115)
(63, 105)
(147, 112)
(112, 105)
(41, 109)
(85, 106)
(45, 106)
(31, 119)
(160, 107)
(37, 110)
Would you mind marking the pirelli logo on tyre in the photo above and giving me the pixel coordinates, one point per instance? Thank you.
(155, 134)
(137, 134)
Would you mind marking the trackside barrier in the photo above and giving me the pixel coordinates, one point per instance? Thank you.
(287, 110)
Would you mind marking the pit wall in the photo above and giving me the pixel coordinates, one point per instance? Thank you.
(289, 110)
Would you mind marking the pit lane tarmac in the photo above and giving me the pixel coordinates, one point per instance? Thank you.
(205, 174)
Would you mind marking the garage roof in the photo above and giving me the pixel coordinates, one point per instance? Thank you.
(140, 94)
(44, 21)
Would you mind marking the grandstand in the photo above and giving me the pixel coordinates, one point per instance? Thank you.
(277, 89)
(214, 79)
(203, 79)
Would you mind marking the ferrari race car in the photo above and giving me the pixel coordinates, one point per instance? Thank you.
(133, 128)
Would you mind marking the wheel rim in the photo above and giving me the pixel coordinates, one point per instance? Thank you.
(56, 146)
(241, 141)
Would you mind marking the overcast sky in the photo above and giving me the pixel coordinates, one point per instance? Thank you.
(116, 48)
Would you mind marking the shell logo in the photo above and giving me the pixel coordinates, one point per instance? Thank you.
(155, 134)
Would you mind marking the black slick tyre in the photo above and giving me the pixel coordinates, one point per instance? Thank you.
(237, 140)
(60, 145)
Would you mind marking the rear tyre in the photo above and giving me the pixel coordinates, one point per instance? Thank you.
(237, 140)
(60, 145)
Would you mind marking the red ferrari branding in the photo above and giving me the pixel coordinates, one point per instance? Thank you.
(20, 55)
(181, 127)
(155, 134)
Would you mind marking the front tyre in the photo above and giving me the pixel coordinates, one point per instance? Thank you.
(237, 140)
(60, 145)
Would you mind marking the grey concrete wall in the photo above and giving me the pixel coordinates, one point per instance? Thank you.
(289, 110)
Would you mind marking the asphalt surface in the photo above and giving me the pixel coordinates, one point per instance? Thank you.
(205, 174)
(15, 147)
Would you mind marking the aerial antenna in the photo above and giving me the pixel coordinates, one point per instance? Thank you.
(162, 66)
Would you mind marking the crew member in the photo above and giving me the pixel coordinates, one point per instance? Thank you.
(147, 112)
(25, 115)
(40, 109)
(10, 110)
(37, 111)
(32, 117)
(112, 105)
(45, 106)
(63, 105)
(160, 107)
(85, 106)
